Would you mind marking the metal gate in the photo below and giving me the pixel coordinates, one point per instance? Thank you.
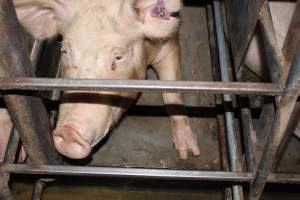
(34, 131)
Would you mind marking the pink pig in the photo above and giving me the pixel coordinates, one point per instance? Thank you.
(103, 39)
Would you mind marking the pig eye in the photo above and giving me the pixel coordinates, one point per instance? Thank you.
(118, 57)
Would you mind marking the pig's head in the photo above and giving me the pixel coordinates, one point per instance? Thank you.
(101, 40)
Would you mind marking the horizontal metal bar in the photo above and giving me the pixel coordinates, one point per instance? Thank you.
(139, 86)
(144, 173)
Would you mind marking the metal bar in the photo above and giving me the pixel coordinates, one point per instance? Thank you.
(293, 37)
(28, 113)
(38, 189)
(242, 17)
(283, 114)
(222, 140)
(289, 48)
(274, 55)
(237, 177)
(10, 156)
(278, 65)
(249, 135)
(237, 192)
(139, 86)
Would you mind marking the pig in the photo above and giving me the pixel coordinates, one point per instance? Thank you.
(103, 39)
(282, 12)
(6, 128)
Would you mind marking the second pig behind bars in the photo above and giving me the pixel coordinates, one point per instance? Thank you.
(103, 39)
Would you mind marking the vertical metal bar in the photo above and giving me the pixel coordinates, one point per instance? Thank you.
(283, 114)
(274, 55)
(292, 37)
(249, 134)
(227, 194)
(231, 134)
(10, 156)
(289, 48)
(27, 112)
(278, 64)
(38, 189)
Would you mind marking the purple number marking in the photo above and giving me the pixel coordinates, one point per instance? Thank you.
(160, 10)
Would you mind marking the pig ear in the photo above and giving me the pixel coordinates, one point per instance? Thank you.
(42, 18)
(155, 27)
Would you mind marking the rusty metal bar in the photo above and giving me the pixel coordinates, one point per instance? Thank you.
(276, 61)
(242, 17)
(249, 135)
(278, 64)
(236, 177)
(10, 156)
(27, 111)
(222, 140)
(293, 37)
(140, 86)
(283, 114)
(38, 189)
(289, 48)
(237, 191)
(274, 55)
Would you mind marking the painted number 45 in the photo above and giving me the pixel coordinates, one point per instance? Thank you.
(160, 10)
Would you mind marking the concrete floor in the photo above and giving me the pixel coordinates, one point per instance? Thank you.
(143, 138)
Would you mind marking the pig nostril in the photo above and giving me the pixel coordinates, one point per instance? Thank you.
(69, 143)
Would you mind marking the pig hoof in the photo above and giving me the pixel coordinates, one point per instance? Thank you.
(185, 141)
(70, 144)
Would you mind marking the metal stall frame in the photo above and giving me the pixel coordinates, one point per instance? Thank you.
(288, 94)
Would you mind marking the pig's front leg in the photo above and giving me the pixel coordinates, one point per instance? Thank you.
(168, 66)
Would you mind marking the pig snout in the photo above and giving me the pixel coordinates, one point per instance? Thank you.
(70, 143)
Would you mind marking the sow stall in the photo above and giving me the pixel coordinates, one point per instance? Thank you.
(33, 127)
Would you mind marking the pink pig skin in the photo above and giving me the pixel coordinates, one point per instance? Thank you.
(5, 131)
(116, 39)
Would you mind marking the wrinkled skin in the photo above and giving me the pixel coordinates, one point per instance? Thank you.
(282, 12)
(108, 40)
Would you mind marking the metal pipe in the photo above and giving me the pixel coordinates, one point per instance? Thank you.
(283, 114)
(275, 58)
(38, 190)
(10, 156)
(292, 37)
(166, 174)
(222, 140)
(278, 65)
(42, 84)
(249, 135)
(27, 111)
(231, 133)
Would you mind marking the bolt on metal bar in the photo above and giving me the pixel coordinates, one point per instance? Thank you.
(283, 114)
(163, 174)
(237, 192)
(43, 84)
